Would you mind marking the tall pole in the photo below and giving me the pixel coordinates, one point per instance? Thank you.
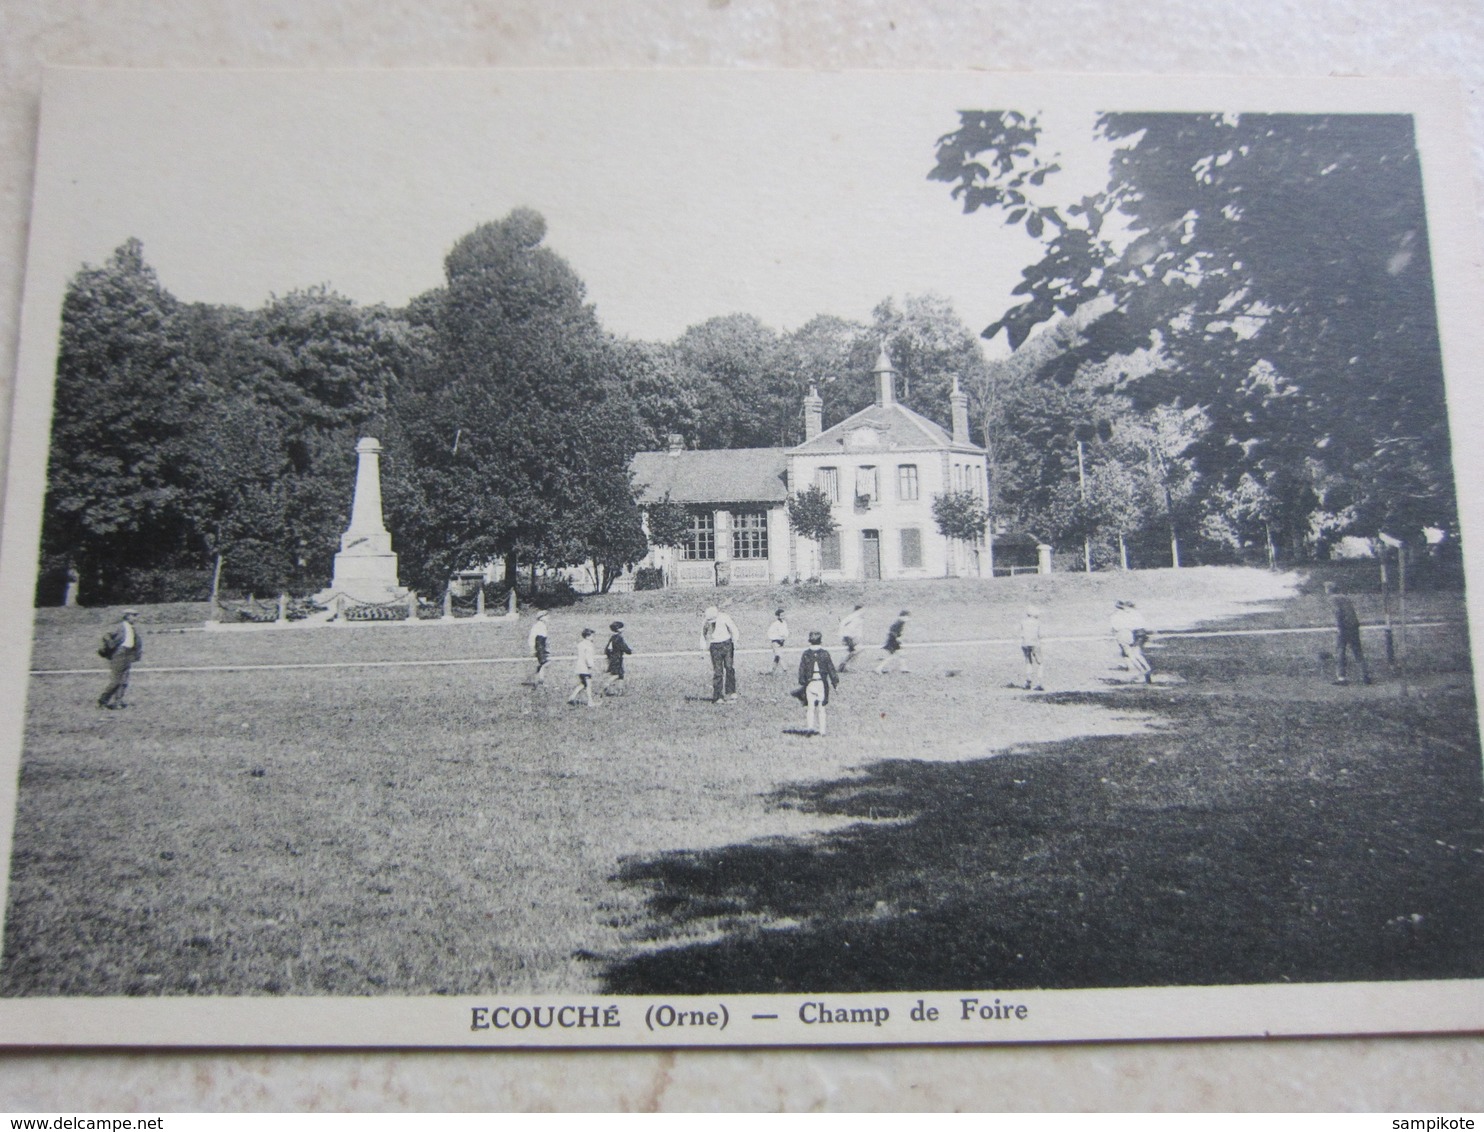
(1082, 483)
(1386, 606)
(1401, 570)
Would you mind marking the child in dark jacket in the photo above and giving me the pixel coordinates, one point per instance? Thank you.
(817, 676)
(615, 650)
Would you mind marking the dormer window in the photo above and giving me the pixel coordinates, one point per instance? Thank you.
(865, 437)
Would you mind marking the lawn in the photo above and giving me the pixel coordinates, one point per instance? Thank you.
(439, 828)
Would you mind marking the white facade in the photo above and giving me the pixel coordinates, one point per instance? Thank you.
(883, 503)
(881, 469)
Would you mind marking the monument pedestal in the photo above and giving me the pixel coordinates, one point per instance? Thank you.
(366, 567)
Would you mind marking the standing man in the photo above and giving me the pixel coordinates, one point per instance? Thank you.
(719, 636)
(1347, 625)
(852, 629)
(121, 647)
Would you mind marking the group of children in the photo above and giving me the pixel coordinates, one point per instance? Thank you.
(586, 667)
(817, 673)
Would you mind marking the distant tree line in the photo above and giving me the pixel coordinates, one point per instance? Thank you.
(1228, 353)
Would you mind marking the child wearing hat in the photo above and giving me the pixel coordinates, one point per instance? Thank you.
(777, 634)
(615, 650)
(817, 676)
(538, 645)
(584, 670)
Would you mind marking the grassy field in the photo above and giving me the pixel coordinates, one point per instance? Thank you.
(409, 827)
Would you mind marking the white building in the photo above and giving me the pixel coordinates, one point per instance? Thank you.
(881, 469)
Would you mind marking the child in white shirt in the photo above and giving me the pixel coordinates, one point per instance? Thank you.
(584, 669)
(1030, 647)
(777, 635)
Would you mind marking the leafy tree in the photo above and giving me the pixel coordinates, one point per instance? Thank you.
(662, 392)
(929, 346)
(126, 391)
(811, 515)
(746, 401)
(1277, 264)
(668, 522)
(960, 515)
(508, 430)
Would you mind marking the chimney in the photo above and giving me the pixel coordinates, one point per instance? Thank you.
(813, 414)
(886, 379)
(676, 442)
(958, 400)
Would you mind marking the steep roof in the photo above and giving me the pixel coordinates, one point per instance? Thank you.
(725, 475)
(896, 426)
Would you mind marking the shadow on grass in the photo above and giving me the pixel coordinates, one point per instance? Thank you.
(1236, 843)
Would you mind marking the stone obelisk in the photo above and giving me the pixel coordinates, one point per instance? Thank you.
(366, 568)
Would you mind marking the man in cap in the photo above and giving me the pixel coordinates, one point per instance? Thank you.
(719, 636)
(1347, 627)
(121, 647)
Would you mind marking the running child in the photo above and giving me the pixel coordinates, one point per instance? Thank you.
(615, 650)
(1129, 632)
(893, 645)
(777, 634)
(852, 629)
(537, 643)
(1030, 647)
(584, 670)
(817, 676)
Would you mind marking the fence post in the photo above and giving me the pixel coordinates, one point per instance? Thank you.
(479, 601)
(283, 608)
(411, 606)
(447, 602)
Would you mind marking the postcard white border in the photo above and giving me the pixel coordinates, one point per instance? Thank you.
(1301, 1010)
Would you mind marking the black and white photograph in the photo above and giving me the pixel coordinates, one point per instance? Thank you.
(620, 558)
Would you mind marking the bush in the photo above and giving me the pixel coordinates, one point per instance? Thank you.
(649, 578)
(550, 593)
(157, 586)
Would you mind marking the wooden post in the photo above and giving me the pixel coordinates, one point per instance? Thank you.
(447, 601)
(216, 588)
(479, 602)
(1386, 606)
(1401, 570)
(283, 608)
(1082, 484)
(411, 606)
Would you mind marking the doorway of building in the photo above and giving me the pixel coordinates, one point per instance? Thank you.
(871, 554)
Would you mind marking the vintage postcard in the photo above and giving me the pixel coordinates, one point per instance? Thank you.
(574, 558)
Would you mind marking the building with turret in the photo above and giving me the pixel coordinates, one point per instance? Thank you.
(880, 468)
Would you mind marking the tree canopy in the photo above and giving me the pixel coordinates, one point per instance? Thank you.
(1277, 268)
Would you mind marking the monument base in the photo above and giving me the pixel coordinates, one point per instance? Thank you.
(368, 578)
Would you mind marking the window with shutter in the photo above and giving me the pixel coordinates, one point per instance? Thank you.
(911, 547)
(829, 552)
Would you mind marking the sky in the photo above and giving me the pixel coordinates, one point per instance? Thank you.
(676, 196)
